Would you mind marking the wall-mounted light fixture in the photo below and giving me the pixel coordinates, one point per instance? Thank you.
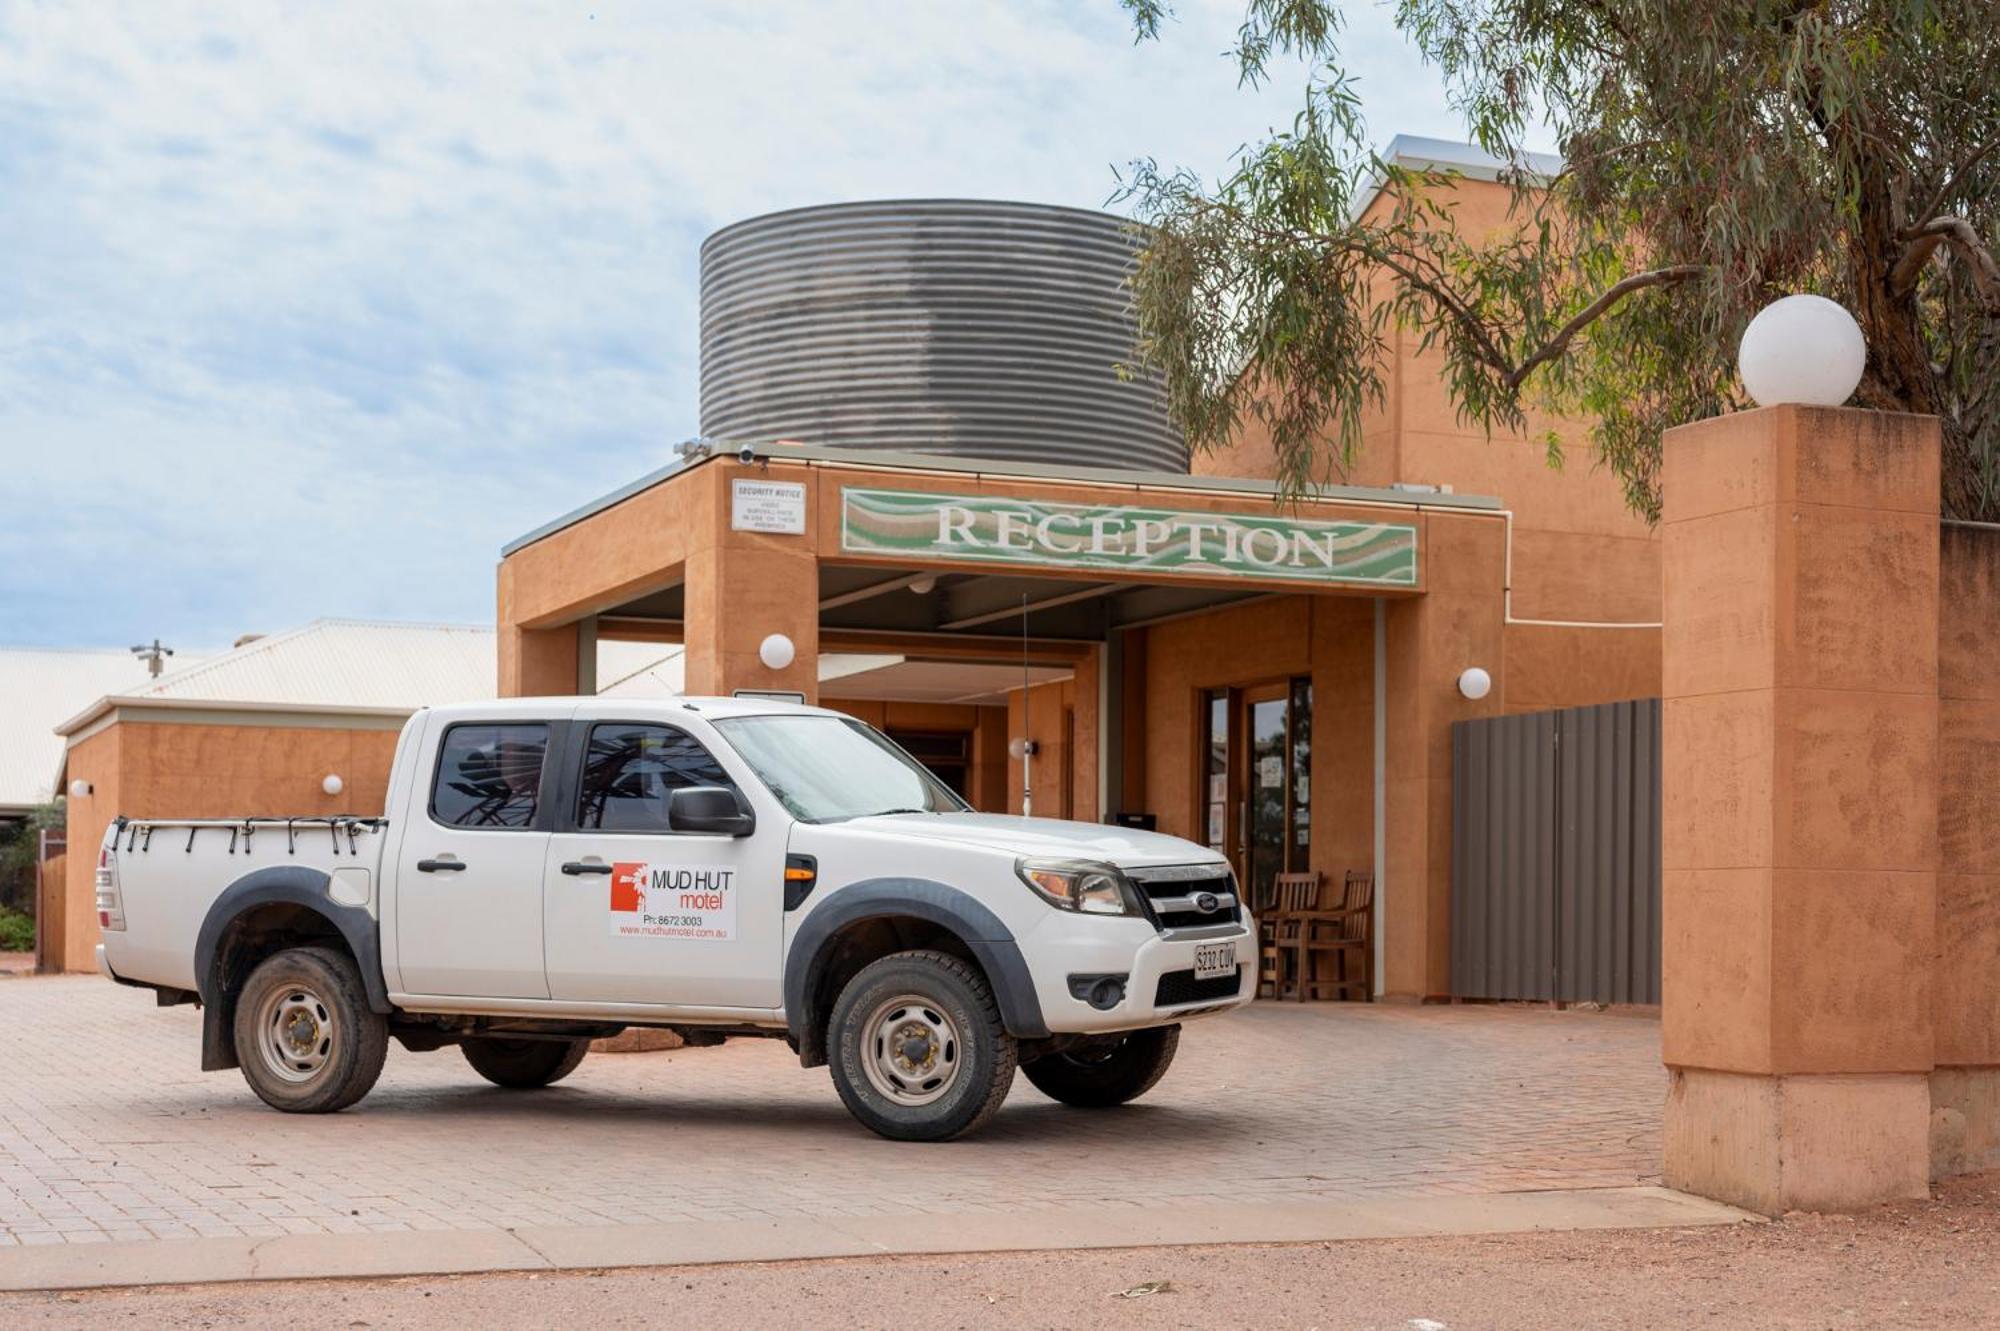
(332, 784)
(1474, 683)
(1023, 748)
(923, 586)
(78, 788)
(776, 652)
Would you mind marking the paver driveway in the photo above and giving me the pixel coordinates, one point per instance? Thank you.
(107, 1131)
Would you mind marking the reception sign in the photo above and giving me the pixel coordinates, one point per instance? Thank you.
(984, 529)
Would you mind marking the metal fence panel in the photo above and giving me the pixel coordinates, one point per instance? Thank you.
(1556, 855)
(1503, 857)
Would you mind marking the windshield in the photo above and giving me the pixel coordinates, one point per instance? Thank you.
(826, 768)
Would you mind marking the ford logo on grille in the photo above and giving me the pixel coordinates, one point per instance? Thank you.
(1206, 902)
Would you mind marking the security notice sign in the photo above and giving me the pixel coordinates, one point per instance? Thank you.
(672, 901)
(777, 506)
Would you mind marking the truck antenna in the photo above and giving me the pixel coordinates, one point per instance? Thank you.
(1027, 734)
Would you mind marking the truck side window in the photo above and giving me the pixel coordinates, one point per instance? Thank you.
(629, 770)
(489, 776)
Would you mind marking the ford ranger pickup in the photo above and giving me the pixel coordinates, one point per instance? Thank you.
(551, 871)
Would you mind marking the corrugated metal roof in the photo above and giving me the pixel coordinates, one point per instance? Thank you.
(640, 669)
(335, 663)
(39, 689)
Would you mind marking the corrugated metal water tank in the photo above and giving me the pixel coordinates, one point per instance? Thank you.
(972, 329)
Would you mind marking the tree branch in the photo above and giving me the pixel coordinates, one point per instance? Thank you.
(1950, 184)
(1590, 313)
(1965, 241)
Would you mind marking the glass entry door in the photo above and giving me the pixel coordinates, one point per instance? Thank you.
(1266, 732)
(1257, 801)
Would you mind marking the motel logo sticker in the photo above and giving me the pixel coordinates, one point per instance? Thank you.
(693, 901)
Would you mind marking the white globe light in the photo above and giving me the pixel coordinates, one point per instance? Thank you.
(924, 586)
(79, 788)
(1803, 349)
(1475, 683)
(776, 651)
(333, 785)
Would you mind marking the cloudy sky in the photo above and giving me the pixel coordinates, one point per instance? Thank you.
(306, 309)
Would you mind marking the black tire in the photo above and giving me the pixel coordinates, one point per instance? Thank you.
(949, 995)
(305, 1036)
(1102, 1074)
(522, 1065)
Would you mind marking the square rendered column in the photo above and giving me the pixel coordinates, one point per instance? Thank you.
(1799, 827)
(1459, 621)
(738, 592)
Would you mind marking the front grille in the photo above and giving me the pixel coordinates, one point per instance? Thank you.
(1177, 987)
(1173, 895)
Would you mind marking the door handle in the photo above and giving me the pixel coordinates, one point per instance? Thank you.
(440, 866)
(575, 867)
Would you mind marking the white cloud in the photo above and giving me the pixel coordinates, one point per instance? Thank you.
(306, 311)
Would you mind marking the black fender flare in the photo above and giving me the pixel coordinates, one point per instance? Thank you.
(989, 941)
(285, 885)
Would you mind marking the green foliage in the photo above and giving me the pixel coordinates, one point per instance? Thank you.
(1715, 157)
(17, 931)
(18, 847)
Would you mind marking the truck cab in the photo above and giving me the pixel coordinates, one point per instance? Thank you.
(552, 869)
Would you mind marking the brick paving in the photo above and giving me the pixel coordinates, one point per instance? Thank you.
(108, 1131)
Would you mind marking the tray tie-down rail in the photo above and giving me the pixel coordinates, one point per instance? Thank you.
(342, 828)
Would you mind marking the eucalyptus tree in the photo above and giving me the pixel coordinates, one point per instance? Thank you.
(1714, 156)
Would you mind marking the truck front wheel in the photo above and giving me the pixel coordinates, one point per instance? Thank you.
(918, 1049)
(1101, 1073)
(305, 1035)
(524, 1064)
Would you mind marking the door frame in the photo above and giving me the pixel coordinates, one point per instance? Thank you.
(1239, 700)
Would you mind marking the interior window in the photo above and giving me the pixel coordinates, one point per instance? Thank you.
(629, 770)
(489, 776)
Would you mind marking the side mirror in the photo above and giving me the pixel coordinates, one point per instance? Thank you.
(711, 809)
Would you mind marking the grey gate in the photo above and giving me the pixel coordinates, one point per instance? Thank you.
(1555, 861)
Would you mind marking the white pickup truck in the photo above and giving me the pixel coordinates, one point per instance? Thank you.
(549, 871)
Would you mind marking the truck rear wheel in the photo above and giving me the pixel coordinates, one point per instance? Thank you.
(918, 1049)
(305, 1036)
(1101, 1073)
(524, 1064)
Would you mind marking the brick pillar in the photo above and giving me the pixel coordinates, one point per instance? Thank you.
(1458, 622)
(537, 663)
(1965, 1089)
(738, 592)
(1800, 805)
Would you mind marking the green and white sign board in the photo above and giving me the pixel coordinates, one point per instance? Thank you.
(984, 529)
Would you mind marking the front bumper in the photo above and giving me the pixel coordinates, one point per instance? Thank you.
(1067, 945)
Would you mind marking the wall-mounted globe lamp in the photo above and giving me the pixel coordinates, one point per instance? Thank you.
(332, 784)
(1474, 683)
(776, 652)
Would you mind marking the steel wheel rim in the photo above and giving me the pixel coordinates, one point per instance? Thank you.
(911, 1050)
(295, 1033)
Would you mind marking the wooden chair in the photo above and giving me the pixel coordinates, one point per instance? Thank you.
(1291, 897)
(1342, 938)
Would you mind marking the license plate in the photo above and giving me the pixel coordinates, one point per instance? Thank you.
(1212, 961)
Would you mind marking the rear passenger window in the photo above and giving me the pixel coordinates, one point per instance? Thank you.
(489, 776)
(630, 770)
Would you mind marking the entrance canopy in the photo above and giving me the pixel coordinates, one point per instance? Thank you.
(937, 559)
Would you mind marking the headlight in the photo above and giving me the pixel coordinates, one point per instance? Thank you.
(1079, 885)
